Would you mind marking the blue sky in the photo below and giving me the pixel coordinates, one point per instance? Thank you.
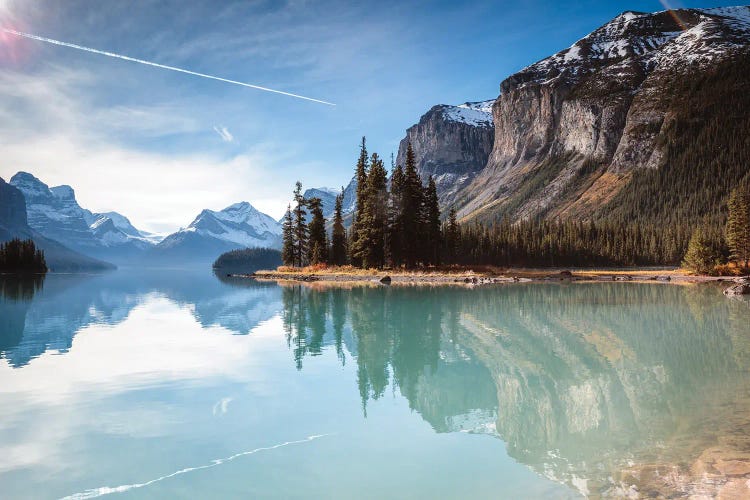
(159, 146)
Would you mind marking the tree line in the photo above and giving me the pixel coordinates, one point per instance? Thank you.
(397, 223)
(21, 255)
(710, 248)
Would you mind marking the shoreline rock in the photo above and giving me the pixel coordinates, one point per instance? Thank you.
(737, 290)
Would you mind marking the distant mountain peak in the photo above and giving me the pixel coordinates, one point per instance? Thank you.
(211, 233)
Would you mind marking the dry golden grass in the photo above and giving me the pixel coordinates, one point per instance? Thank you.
(464, 271)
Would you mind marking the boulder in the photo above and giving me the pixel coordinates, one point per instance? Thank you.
(386, 280)
(741, 289)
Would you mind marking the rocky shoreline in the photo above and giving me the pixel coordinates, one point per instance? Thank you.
(740, 285)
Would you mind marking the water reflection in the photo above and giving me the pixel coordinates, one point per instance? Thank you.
(36, 319)
(16, 290)
(610, 388)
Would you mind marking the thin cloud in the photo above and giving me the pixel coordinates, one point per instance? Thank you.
(224, 133)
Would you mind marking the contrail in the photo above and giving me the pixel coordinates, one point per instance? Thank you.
(157, 65)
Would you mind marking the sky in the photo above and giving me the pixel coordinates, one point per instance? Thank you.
(159, 146)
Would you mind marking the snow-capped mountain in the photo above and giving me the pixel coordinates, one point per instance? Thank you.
(567, 133)
(213, 232)
(611, 100)
(328, 197)
(14, 224)
(638, 42)
(55, 213)
(121, 224)
(451, 143)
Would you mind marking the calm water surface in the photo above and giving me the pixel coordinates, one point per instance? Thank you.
(163, 385)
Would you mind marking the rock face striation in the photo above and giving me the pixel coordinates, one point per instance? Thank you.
(12, 211)
(452, 144)
(568, 132)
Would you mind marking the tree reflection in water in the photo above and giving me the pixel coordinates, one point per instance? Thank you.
(606, 387)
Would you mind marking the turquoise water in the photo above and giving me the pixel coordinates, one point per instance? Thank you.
(163, 385)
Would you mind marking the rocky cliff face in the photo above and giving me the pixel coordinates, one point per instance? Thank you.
(571, 130)
(12, 210)
(451, 143)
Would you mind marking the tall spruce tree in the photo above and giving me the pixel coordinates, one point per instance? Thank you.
(370, 246)
(738, 225)
(452, 235)
(338, 233)
(411, 211)
(433, 240)
(361, 177)
(317, 243)
(287, 237)
(394, 250)
(300, 227)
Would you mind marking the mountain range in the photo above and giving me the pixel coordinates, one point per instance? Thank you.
(632, 120)
(75, 238)
(645, 119)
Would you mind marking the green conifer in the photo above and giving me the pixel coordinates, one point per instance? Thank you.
(287, 237)
(300, 227)
(431, 223)
(338, 233)
(738, 225)
(317, 240)
(701, 256)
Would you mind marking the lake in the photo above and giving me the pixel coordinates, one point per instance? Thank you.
(183, 384)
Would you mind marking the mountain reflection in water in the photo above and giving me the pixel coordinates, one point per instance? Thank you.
(610, 388)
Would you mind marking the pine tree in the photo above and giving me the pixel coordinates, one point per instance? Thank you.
(432, 224)
(738, 225)
(361, 177)
(369, 246)
(317, 242)
(300, 227)
(287, 249)
(338, 233)
(411, 211)
(394, 250)
(702, 255)
(452, 234)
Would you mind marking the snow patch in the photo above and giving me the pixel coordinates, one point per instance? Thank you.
(477, 114)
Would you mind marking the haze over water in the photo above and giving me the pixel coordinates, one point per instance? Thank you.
(163, 384)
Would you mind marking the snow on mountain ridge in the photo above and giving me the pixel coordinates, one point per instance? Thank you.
(643, 40)
(54, 212)
(477, 114)
(239, 224)
(244, 213)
